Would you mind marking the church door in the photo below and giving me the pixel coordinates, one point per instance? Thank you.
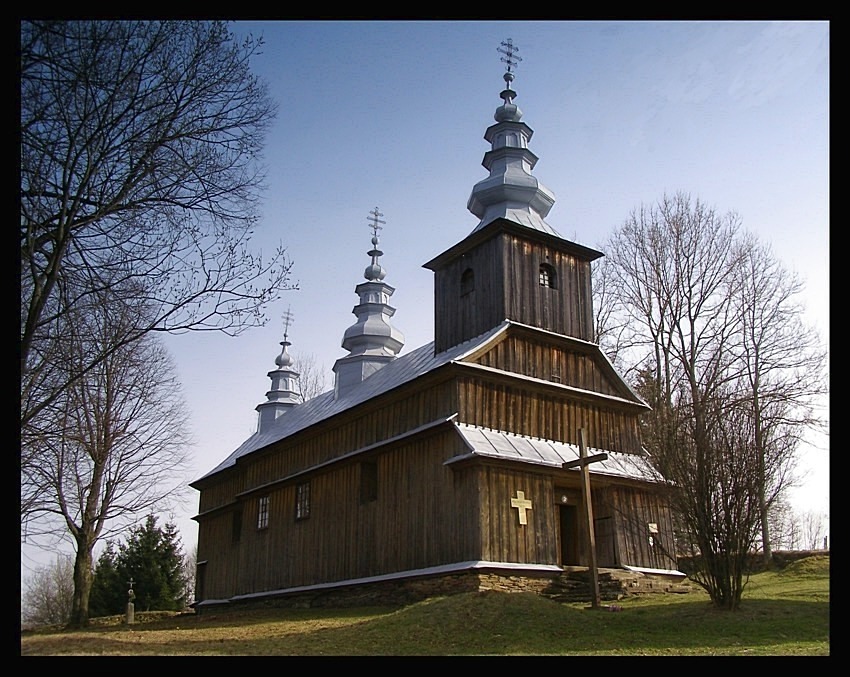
(568, 515)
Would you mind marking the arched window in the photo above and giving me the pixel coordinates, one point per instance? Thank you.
(467, 282)
(547, 276)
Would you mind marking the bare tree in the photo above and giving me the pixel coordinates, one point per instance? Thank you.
(49, 593)
(814, 533)
(782, 369)
(112, 446)
(703, 314)
(140, 162)
(190, 573)
(796, 530)
(609, 325)
(312, 376)
(783, 525)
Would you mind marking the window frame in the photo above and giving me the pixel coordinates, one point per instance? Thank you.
(547, 276)
(263, 513)
(302, 501)
(467, 282)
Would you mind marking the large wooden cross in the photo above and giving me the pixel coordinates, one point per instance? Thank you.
(583, 461)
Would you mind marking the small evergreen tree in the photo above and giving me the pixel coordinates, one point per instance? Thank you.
(108, 592)
(153, 559)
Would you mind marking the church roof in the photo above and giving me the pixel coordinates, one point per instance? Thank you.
(402, 370)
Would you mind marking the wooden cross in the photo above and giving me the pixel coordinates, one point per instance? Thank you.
(521, 503)
(583, 461)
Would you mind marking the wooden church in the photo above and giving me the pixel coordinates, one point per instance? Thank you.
(460, 465)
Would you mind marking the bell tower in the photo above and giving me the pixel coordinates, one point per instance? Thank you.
(513, 265)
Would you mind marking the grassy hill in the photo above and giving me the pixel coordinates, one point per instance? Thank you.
(783, 613)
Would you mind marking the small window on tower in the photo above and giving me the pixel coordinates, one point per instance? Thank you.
(467, 282)
(547, 276)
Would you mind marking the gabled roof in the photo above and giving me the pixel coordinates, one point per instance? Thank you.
(404, 369)
(401, 370)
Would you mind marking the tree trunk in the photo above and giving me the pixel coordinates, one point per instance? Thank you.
(765, 533)
(82, 586)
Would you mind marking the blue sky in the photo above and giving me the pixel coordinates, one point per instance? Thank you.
(392, 114)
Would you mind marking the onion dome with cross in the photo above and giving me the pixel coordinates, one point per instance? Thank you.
(372, 341)
(510, 191)
(284, 392)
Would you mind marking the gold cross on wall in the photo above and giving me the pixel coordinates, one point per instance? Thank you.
(521, 503)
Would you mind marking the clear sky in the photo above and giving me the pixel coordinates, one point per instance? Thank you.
(392, 114)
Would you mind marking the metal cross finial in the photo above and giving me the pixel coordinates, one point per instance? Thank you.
(510, 51)
(375, 214)
(287, 320)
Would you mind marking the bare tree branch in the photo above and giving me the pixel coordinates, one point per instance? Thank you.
(141, 167)
(112, 447)
(709, 319)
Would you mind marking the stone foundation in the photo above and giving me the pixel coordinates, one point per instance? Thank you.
(573, 585)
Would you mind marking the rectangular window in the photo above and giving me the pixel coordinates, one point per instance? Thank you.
(237, 525)
(263, 513)
(368, 481)
(547, 276)
(302, 501)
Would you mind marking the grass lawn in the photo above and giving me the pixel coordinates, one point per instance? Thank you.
(783, 613)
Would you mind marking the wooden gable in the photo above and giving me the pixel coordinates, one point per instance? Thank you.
(551, 357)
(533, 382)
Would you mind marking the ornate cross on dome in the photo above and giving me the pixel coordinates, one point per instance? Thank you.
(375, 214)
(511, 58)
(509, 50)
(374, 271)
(287, 320)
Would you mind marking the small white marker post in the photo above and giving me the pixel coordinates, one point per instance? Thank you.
(131, 608)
